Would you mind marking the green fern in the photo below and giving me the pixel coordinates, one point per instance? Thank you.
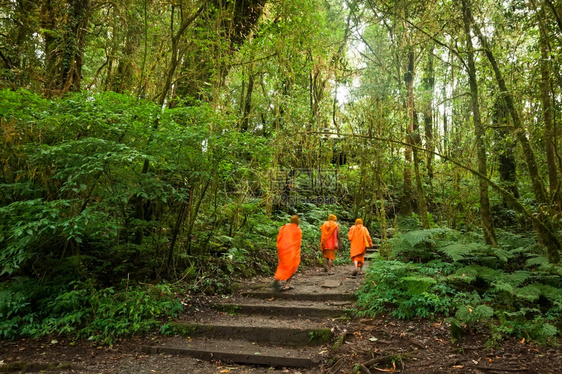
(552, 294)
(470, 315)
(416, 237)
(518, 277)
(536, 261)
(458, 251)
(417, 284)
(529, 293)
(469, 274)
(504, 286)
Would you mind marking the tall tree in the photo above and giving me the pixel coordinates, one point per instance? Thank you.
(65, 26)
(547, 107)
(485, 209)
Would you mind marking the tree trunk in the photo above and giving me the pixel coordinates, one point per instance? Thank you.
(485, 209)
(422, 203)
(65, 28)
(520, 133)
(406, 203)
(547, 110)
(248, 102)
(232, 21)
(429, 84)
(48, 21)
(504, 149)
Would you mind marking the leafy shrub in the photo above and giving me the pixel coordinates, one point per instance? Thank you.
(509, 288)
(30, 309)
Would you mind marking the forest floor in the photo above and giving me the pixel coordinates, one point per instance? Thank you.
(415, 346)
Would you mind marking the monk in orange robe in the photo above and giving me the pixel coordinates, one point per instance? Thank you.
(360, 239)
(289, 252)
(329, 241)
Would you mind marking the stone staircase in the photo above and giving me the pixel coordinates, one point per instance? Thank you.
(260, 327)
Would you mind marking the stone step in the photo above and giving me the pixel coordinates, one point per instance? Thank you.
(241, 352)
(290, 295)
(258, 331)
(279, 309)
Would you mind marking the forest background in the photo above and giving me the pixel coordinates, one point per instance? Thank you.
(152, 149)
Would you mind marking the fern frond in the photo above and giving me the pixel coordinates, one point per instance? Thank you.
(536, 261)
(504, 286)
(518, 277)
(529, 293)
(552, 294)
(470, 273)
(417, 284)
(502, 254)
(416, 237)
(458, 251)
(483, 311)
(464, 275)
(548, 330)
(523, 250)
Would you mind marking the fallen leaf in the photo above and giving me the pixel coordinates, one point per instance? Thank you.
(458, 366)
(490, 360)
(388, 370)
(523, 341)
(224, 371)
(373, 339)
(475, 362)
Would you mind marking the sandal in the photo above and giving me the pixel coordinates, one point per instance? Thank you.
(287, 288)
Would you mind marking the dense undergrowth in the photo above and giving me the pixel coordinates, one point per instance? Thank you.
(511, 290)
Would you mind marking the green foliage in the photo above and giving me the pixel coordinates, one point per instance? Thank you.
(417, 244)
(475, 285)
(30, 309)
(404, 289)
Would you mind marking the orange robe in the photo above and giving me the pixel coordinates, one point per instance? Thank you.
(329, 239)
(359, 237)
(289, 251)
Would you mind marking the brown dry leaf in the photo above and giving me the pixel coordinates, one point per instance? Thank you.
(458, 366)
(224, 371)
(523, 341)
(490, 360)
(388, 370)
(358, 333)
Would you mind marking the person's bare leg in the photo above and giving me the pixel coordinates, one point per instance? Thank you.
(326, 265)
(330, 266)
(288, 283)
(355, 267)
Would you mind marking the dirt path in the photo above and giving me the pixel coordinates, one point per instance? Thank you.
(413, 346)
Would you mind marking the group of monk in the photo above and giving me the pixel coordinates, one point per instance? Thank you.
(289, 248)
